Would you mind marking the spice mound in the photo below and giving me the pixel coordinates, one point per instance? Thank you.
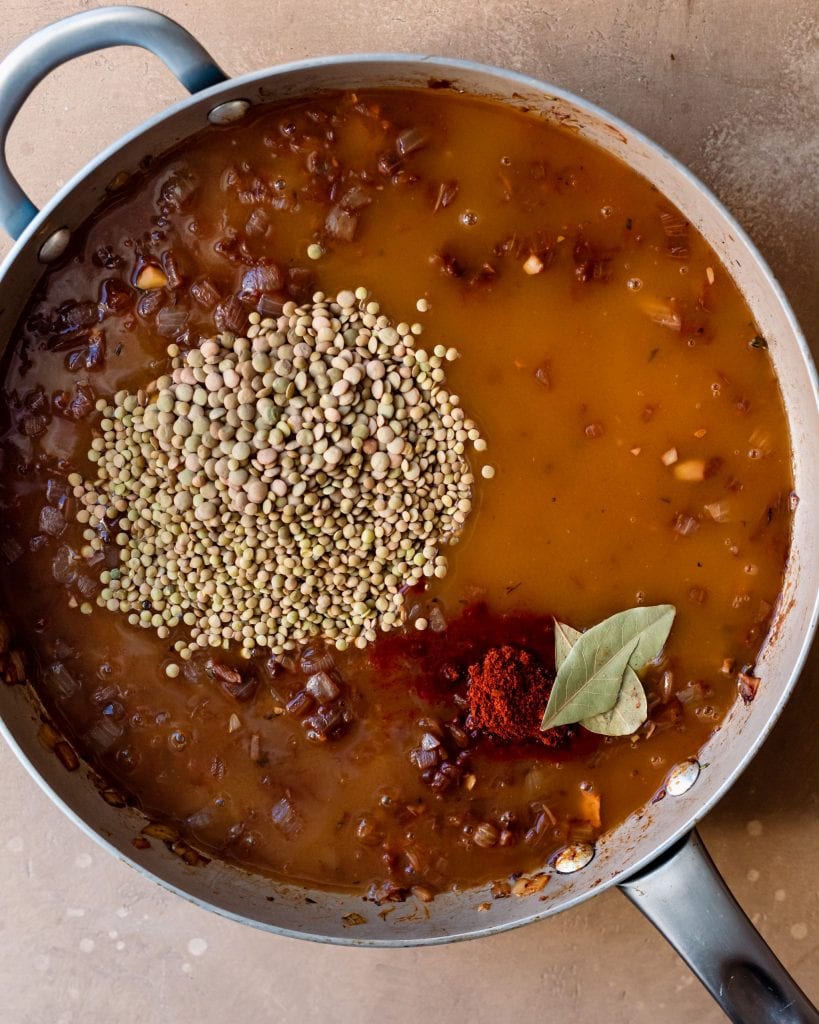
(507, 693)
(290, 483)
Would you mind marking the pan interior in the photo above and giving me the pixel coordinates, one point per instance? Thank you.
(328, 916)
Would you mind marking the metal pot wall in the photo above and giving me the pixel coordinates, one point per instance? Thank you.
(654, 856)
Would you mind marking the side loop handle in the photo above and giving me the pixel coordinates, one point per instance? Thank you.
(79, 34)
(685, 897)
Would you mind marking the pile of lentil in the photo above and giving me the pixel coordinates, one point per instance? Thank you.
(293, 482)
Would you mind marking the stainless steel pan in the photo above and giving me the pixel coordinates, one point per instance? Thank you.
(654, 857)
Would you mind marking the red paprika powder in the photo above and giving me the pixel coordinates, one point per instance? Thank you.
(507, 692)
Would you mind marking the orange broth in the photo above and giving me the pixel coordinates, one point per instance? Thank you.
(628, 355)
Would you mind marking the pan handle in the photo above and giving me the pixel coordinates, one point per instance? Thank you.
(55, 44)
(685, 897)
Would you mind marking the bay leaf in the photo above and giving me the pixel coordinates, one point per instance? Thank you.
(587, 683)
(565, 639)
(589, 680)
(627, 715)
(651, 625)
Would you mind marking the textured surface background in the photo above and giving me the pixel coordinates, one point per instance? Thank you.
(89, 941)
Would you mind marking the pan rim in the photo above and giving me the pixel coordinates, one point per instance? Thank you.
(444, 65)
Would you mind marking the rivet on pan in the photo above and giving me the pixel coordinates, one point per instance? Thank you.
(54, 246)
(682, 777)
(227, 113)
(573, 858)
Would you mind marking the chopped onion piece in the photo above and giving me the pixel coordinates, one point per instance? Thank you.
(694, 691)
(355, 198)
(666, 686)
(685, 524)
(59, 681)
(435, 617)
(231, 316)
(748, 685)
(170, 320)
(316, 659)
(205, 293)
(341, 224)
(104, 734)
(264, 277)
(322, 688)
(761, 441)
(590, 808)
(691, 471)
(150, 276)
(409, 141)
(201, 818)
(718, 510)
(664, 315)
(285, 818)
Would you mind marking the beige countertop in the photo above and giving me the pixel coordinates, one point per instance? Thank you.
(729, 88)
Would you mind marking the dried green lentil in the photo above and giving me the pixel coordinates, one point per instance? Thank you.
(336, 476)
